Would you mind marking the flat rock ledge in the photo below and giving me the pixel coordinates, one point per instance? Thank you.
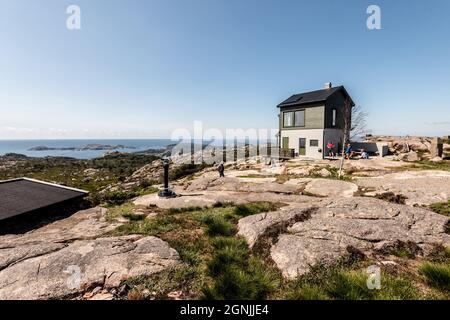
(58, 261)
(304, 237)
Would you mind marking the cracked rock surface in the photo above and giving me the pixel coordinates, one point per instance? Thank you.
(420, 187)
(65, 258)
(328, 232)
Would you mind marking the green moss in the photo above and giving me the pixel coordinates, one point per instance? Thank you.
(441, 208)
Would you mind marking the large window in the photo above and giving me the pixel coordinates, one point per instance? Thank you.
(294, 118)
(299, 117)
(288, 119)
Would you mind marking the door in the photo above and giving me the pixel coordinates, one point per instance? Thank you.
(302, 146)
(285, 143)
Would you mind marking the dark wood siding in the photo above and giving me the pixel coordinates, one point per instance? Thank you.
(314, 117)
(336, 101)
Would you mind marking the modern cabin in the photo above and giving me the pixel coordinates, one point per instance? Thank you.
(309, 121)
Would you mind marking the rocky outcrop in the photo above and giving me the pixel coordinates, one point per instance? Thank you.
(67, 257)
(235, 184)
(330, 231)
(209, 198)
(66, 270)
(419, 187)
(331, 188)
(408, 156)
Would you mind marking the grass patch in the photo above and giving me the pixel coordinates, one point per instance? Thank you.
(341, 282)
(441, 208)
(430, 165)
(218, 264)
(248, 209)
(158, 286)
(238, 275)
(119, 211)
(218, 226)
(437, 275)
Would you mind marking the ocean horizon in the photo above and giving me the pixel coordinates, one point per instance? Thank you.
(25, 146)
(130, 145)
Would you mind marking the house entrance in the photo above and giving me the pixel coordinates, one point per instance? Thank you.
(302, 146)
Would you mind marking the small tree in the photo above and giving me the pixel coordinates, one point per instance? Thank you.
(358, 123)
(347, 120)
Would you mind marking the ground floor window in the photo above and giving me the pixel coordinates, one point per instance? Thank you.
(313, 143)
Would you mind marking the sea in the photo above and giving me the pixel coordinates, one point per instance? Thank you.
(24, 147)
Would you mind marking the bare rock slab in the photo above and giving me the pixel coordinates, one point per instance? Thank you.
(322, 234)
(65, 258)
(331, 188)
(75, 267)
(420, 187)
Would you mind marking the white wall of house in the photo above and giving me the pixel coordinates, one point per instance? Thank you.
(309, 134)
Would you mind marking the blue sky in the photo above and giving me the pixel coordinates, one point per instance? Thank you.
(139, 69)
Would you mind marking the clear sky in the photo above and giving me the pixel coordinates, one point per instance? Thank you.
(139, 69)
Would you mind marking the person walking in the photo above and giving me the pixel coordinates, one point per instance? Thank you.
(221, 169)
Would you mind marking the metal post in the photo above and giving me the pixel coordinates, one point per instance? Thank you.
(166, 192)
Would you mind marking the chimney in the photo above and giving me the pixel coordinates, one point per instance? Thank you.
(328, 85)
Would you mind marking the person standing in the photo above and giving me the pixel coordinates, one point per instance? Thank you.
(221, 169)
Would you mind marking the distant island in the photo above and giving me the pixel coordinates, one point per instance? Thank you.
(83, 148)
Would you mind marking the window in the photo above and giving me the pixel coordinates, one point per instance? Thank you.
(313, 143)
(288, 119)
(334, 117)
(299, 118)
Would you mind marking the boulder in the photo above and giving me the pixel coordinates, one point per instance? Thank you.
(408, 157)
(437, 159)
(324, 173)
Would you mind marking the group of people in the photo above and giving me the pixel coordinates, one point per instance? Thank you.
(348, 151)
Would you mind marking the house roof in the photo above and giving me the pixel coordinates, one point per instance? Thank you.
(313, 97)
(23, 195)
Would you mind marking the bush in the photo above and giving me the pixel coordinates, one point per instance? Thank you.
(391, 197)
(186, 170)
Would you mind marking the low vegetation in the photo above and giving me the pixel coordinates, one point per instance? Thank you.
(441, 208)
(217, 264)
(437, 275)
(92, 175)
(391, 197)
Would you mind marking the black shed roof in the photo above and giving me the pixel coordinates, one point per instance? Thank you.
(313, 97)
(25, 195)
